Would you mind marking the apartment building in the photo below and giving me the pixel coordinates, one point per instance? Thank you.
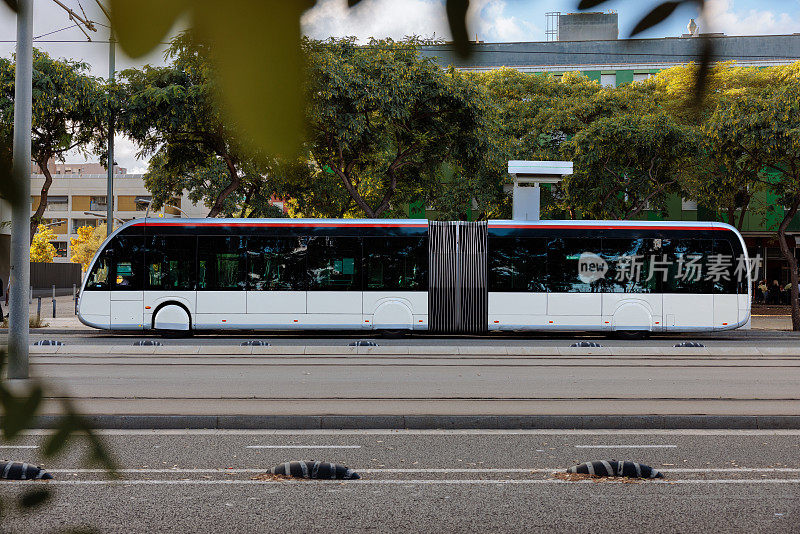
(78, 198)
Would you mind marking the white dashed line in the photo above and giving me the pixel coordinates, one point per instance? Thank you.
(626, 446)
(303, 447)
(19, 446)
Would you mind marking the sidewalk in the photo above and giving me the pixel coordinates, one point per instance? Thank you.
(69, 324)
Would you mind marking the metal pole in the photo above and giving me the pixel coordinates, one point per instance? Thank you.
(38, 309)
(20, 312)
(54, 302)
(75, 298)
(110, 188)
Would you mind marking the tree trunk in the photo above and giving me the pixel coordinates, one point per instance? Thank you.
(216, 209)
(741, 215)
(354, 194)
(48, 181)
(791, 260)
(732, 215)
(387, 197)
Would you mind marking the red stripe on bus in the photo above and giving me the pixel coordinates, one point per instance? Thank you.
(401, 225)
(368, 225)
(607, 227)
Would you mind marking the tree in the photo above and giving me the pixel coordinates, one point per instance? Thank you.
(718, 177)
(171, 112)
(42, 250)
(765, 133)
(86, 245)
(625, 164)
(70, 111)
(384, 120)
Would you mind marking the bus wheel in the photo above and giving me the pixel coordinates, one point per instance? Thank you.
(393, 334)
(631, 334)
(172, 320)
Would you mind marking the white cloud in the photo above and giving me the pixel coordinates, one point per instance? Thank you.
(490, 21)
(722, 16)
(401, 18)
(376, 18)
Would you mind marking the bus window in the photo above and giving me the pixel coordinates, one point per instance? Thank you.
(396, 263)
(119, 266)
(221, 261)
(170, 262)
(517, 264)
(334, 264)
(276, 264)
(723, 271)
(688, 260)
(128, 257)
(98, 278)
(635, 265)
(563, 265)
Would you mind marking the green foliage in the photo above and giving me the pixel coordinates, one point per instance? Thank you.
(624, 163)
(70, 111)
(384, 120)
(171, 112)
(383, 125)
(255, 52)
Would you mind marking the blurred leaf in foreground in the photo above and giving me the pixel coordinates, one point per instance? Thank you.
(256, 51)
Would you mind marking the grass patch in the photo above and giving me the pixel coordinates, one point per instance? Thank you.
(34, 322)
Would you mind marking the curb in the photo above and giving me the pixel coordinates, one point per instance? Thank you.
(56, 331)
(434, 422)
(414, 350)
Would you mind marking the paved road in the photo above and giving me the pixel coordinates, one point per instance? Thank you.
(436, 380)
(432, 481)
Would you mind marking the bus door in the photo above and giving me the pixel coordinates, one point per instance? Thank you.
(636, 269)
(127, 295)
(334, 292)
(221, 284)
(575, 282)
(276, 294)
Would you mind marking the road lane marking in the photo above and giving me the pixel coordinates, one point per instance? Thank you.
(19, 446)
(434, 432)
(415, 482)
(303, 447)
(626, 446)
(437, 470)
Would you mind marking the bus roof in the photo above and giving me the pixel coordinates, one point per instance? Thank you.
(423, 223)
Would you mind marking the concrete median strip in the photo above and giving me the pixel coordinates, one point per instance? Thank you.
(402, 350)
(434, 422)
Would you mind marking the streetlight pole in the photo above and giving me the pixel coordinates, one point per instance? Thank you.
(110, 188)
(19, 311)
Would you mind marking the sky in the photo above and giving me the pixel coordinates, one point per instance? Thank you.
(489, 20)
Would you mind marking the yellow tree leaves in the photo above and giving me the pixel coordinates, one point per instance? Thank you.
(85, 246)
(42, 250)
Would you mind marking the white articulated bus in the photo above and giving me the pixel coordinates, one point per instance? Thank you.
(189, 275)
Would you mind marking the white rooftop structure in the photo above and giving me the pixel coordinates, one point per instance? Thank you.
(527, 198)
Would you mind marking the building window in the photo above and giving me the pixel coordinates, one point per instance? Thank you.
(142, 203)
(61, 248)
(59, 226)
(98, 203)
(78, 223)
(58, 203)
(688, 205)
